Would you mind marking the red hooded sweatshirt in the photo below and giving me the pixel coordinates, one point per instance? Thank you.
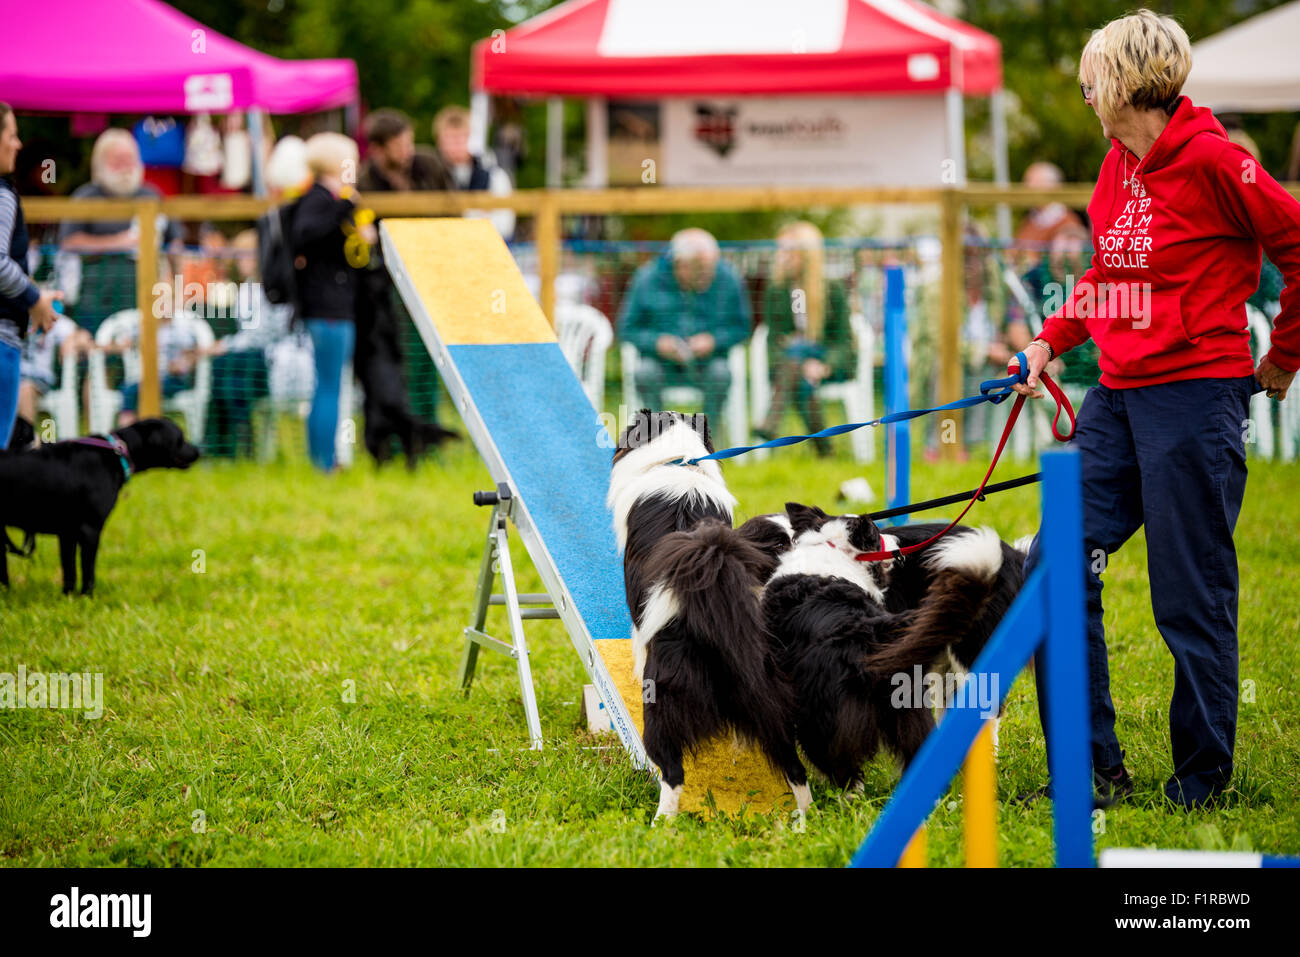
(1177, 256)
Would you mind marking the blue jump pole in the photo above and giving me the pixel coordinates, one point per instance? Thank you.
(1069, 754)
(898, 449)
(1048, 614)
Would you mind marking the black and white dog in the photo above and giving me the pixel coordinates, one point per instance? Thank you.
(845, 629)
(693, 582)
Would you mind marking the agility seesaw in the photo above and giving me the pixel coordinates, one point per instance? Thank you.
(541, 440)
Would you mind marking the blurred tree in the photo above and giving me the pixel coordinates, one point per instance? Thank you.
(1041, 43)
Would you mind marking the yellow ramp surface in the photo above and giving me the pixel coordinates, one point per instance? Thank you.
(737, 775)
(464, 267)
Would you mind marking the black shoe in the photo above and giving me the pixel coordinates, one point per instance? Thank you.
(1110, 787)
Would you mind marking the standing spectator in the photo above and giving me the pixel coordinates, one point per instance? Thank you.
(1043, 223)
(451, 131)
(1178, 232)
(106, 248)
(684, 311)
(808, 329)
(333, 246)
(21, 302)
(394, 162)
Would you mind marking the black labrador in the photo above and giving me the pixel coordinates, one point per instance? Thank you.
(69, 488)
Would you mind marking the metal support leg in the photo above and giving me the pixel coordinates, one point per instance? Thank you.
(482, 594)
(496, 561)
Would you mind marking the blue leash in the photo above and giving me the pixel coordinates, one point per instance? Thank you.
(991, 390)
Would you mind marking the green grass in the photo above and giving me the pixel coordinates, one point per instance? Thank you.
(225, 691)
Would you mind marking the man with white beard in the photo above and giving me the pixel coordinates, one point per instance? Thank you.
(106, 249)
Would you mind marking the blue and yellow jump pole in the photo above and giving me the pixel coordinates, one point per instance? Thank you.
(1047, 616)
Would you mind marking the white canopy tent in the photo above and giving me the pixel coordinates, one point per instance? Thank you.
(1253, 67)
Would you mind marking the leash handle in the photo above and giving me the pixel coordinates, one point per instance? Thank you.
(1018, 375)
(1062, 400)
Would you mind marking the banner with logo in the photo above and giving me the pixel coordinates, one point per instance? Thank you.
(839, 141)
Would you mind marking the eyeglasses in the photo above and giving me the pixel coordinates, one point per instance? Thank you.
(1086, 89)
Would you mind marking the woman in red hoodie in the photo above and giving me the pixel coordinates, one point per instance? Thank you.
(1179, 215)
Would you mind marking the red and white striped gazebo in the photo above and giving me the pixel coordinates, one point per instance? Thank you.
(599, 50)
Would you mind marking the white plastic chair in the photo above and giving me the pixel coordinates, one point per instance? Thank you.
(857, 394)
(690, 397)
(63, 405)
(105, 402)
(585, 335)
(291, 381)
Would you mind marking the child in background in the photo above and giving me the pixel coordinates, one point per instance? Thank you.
(36, 369)
(177, 355)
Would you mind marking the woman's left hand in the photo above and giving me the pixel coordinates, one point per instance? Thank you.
(1274, 380)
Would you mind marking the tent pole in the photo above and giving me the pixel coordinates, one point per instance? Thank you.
(956, 114)
(253, 119)
(480, 118)
(554, 142)
(1001, 168)
(597, 142)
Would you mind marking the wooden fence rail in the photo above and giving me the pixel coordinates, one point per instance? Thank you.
(547, 206)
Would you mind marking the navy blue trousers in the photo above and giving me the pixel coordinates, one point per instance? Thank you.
(1172, 458)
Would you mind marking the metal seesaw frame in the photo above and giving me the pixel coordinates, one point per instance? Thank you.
(517, 512)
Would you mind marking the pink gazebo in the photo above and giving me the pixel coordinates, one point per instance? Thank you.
(143, 56)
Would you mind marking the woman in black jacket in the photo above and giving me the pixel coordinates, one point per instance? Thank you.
(331, 248)
(20, 301)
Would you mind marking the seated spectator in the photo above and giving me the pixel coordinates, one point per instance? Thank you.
(178, 352)
(683, 312)
(241, 360)
(808, 330)
(106, 248)
(36, 370)
(451, 131)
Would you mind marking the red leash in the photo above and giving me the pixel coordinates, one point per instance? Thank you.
(1062, 405)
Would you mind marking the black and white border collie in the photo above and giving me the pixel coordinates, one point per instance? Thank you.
(843, 629)
(693, 582)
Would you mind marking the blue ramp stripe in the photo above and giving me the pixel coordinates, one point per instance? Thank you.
(547, 432)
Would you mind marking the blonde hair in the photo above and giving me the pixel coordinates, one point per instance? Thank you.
(804, 236)
(286, 169)
(1142, 60)
(328, 154)
(450, 117)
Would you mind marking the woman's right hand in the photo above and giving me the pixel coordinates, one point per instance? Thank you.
(1038, 358)
(42, 314)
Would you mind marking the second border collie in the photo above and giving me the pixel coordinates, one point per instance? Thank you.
(701, 651)
(844, 629)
